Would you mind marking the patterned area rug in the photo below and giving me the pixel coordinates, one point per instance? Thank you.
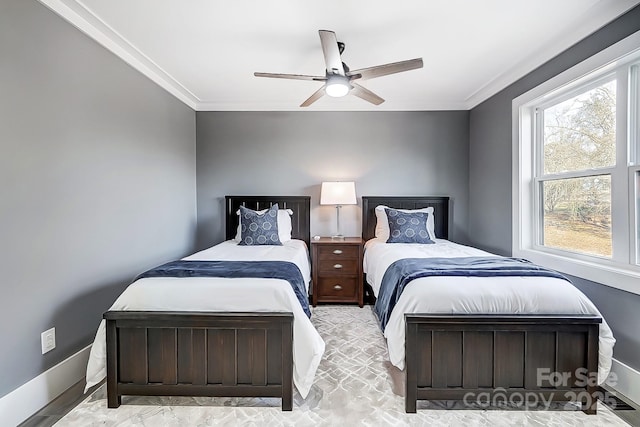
(354, 385)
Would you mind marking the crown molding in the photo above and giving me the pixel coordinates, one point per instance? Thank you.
(595, 18)
(430, 105)
(80, 17)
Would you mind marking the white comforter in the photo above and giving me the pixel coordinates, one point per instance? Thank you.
(224, 294)
(499, 295)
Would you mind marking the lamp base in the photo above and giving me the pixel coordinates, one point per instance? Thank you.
(337, 237)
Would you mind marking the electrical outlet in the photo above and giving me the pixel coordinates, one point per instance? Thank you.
(48, 340)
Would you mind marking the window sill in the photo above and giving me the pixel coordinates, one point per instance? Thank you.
(625, 278)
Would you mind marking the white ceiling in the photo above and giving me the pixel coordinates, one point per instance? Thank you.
(205, 51)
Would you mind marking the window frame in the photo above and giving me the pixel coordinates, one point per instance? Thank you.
(620, 61)
(634, 212)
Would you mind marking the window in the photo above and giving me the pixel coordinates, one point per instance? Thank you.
(637, 214)
(577, 169)
(577, 153)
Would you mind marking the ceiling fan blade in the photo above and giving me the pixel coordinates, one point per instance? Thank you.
(386, 69)
(313, 98)
(365, 94)
(331, 52)
(291, 76)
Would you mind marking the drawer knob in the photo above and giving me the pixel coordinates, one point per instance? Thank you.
(337, 287)
(337, 251)
(337, 265)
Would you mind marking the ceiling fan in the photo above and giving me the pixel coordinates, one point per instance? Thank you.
(339, 80)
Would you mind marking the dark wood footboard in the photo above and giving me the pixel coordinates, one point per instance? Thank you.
(199, 354)
(516, 359)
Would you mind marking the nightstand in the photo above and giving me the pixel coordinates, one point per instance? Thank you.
(337, 270)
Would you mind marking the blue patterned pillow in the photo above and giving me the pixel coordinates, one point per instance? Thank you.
(407, 227)
(259, 229)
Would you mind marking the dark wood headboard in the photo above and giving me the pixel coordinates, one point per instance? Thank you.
(440, 206)
(300, 205)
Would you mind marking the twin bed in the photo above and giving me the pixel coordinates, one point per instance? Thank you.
(214, 336)
(485, 339)
(251, 337)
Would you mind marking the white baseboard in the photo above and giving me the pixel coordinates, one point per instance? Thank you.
(628, 381)
(32, 396)
(29, 398)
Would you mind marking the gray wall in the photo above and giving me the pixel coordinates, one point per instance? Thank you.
(97, 182)
(621, 311)
(281, 153)
(490, 178)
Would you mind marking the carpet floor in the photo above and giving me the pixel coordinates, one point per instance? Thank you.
(355, 385)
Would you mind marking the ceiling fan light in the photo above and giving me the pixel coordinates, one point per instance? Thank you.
(337, 86)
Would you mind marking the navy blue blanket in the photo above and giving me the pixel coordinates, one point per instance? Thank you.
(237, 269)
(403, 271)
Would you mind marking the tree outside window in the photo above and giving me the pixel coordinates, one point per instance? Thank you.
(579, 148)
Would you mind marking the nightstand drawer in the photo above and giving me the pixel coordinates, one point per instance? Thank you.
(338, 287)
(338, 266)
(338, 252)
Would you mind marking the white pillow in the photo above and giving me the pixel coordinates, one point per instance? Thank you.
(284, 224)
(382, 223)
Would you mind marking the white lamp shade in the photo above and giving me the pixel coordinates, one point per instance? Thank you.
(338, 193)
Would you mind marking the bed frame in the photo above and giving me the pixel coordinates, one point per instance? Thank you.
(492, 359)
(207, 353)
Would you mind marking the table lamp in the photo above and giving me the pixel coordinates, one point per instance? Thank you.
(338, 193)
